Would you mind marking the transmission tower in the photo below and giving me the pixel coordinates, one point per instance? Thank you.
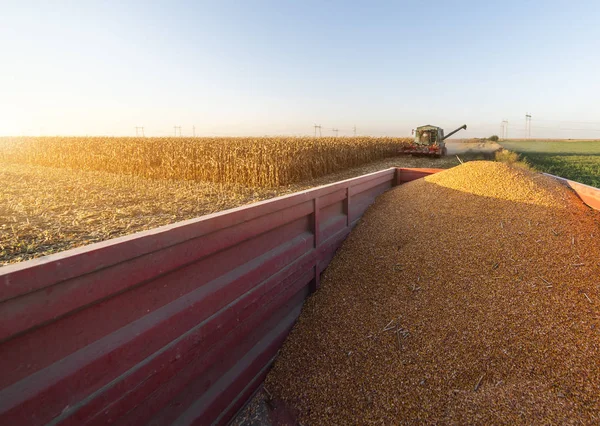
(176, 128)
(528, 125)
(336, 132)
(354, 128)
(317, 127)
(139, 131)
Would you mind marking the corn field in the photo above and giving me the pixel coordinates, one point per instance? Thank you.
(251, 162)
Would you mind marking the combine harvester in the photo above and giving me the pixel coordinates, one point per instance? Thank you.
(178, 324)
(429, 140)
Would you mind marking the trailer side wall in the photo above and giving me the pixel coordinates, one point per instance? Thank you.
(176, 324)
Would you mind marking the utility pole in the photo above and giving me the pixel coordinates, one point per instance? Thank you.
(354, 128)
(194, 131)
(528, 125)
(317, 127)
(139, 131)
(336, 132)
(504, 129)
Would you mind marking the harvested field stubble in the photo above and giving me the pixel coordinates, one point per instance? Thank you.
(45, 209)
(467, 297)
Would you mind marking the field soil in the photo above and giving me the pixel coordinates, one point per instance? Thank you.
(46, 210)
(461, 146)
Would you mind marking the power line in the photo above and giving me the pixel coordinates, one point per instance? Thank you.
(567, 121)
(529, 126)
(567, 128)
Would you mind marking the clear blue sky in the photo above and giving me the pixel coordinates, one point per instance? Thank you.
(278, 67)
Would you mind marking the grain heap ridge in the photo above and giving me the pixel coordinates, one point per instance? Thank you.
(470, 296)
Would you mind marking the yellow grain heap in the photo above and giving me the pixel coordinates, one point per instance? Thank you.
(251, 162)
(468, 297)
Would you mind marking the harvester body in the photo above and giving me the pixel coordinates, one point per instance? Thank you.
(429, 140)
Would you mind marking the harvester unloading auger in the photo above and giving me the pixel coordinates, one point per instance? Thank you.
(429, 140)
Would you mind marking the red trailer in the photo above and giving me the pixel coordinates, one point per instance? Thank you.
(178, 324)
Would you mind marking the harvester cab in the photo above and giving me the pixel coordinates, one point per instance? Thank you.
(429, 140)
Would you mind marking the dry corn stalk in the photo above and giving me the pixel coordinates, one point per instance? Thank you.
(252, 162)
